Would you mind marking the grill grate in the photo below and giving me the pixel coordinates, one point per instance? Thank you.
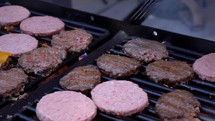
(204, 91)
(99, 34)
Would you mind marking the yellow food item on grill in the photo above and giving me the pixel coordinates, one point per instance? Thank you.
(4, 57)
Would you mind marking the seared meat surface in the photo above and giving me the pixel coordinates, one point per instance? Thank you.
(178, 105)
(169, 72)
(42, 61)
(81, 79)
(145, 50)
(117, 66)
(12, 81)
(72, 41)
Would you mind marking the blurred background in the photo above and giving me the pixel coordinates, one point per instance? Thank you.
(189, 17)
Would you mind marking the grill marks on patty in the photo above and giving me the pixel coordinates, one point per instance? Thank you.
(42, 60)
(145, 50)
(81, 79)
(177, 105)
(117, 66)
(72, 41)
(169, 72)
(12, 81)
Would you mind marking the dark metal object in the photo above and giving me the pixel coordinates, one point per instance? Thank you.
(139, 14)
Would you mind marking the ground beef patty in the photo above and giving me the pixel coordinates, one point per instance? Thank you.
(145, 50)
(179, 105)
(119, 97)
(72, 41)
(42, 25)
(81, 79)
(117, 66)
(17, 44)
(169, 72)
(42, 61)
(12, 81)
(204, 67)
(13, 15)
(65, 106)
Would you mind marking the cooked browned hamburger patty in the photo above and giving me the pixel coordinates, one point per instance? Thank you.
(42, 61)
(42, 25)
(145, 50)
(12, 81)
(117, 66)
(12, 15)
(169, 72)
(178, 105)
(72, 41)
(81, 79)
(17, 44)
(204, 67)
(119, 97)
(65, 106)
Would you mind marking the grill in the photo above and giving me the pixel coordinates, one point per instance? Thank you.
(180, 47)
(204, 91)
(99, 33)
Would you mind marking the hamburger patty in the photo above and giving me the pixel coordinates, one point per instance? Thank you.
(204, 67)
(81, 79)
(65, 106)
(42, 25)
(145, 50)
(72, 41)
(169, 72)
(42, 61)
(17, 44)
(119, 97)
(178, 105)
(12, 81)
(12, 15)
(117, 66)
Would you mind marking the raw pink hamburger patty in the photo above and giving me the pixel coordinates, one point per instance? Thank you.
(13, 15)
(65, 106)
(17, 43)
(42, 25)
(204, 67)
(119, 97)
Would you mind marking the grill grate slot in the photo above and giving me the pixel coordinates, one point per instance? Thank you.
(197, 89)
(20, 117)
(145, 117)
(203, 83)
